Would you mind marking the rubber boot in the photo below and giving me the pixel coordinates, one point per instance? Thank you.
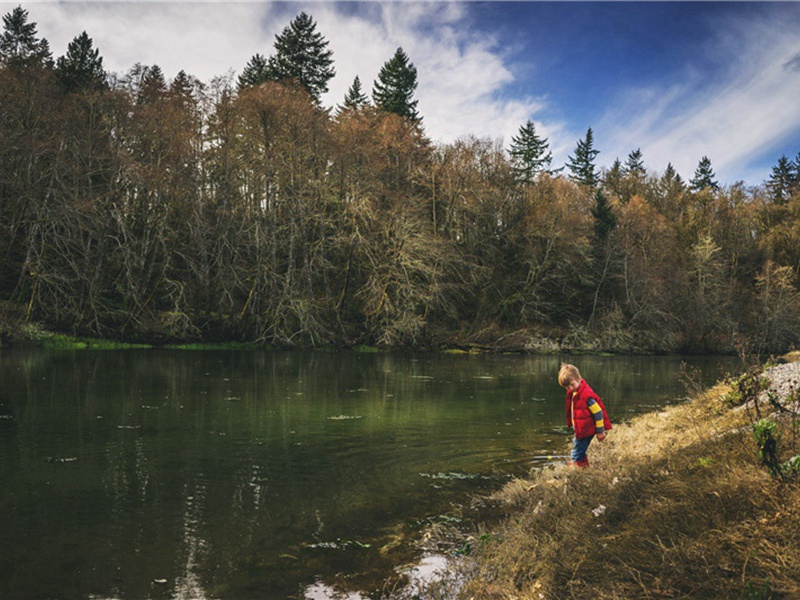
(584, 462)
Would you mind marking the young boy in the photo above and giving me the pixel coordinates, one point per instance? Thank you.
(586, 413)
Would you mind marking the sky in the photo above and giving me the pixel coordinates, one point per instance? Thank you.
(677, 80)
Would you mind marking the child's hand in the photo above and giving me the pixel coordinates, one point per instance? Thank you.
(601, 436)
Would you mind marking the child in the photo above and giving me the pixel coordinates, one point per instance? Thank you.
(586, 413)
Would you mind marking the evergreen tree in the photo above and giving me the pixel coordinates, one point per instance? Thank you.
(19, 46)
(530, 154)
(394, 89)
(669, 188)
(152, 85)
(635, 164)
(254, 73)
(781, 181)
(582, 164)
(355, 97)
(796, 170)
(302, 55)
(612, 179)
(183, 88)
(671, 181)
(704, 176)
(604, 218)
(81, 68)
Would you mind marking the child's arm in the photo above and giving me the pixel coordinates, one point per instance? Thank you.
(597, 413)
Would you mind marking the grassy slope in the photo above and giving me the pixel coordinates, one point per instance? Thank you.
(683, 509)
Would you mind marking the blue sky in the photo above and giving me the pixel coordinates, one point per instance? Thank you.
(680, 80)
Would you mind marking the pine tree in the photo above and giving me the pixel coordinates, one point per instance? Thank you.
(671, 183)
(152, 85)
(582, 164)
(612, 179)
(254, 73)
(394, 89)
(704, 176)
(81, 68)
(796, 170)
(183, 88)
(604, 218)
(781, 181)
(530, 154)
(355, 97)
(635, 164)
(19, 46)
(302, 55)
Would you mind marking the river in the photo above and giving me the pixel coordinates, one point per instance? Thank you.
(226, 474)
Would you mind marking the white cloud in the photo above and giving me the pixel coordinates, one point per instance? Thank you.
(731, 119)
(461, 71)
(203, 39)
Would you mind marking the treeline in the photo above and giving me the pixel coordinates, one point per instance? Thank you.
(136, 207)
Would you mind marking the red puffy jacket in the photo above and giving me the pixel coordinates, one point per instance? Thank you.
(579, 416)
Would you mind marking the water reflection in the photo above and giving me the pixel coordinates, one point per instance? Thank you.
(248, 474)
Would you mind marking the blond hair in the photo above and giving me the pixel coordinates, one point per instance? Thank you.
(567, 374)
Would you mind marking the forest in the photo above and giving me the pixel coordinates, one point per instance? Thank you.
(134, 207)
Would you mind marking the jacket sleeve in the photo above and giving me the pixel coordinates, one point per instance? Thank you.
(597, 414)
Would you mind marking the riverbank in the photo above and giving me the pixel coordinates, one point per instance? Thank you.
(677, 504)
(17, 332)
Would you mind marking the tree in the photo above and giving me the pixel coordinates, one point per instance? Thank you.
(152, 85)
(604, 222)
(19, 46)
(81, 68)
(634, 166)
(302, 55)
(254, 73)
(669, 188)
(704, 177)
(355, 97)
(530, 154)
(612, 178)
(781, 181)
(582, 164)
(604, 218)
(394, 89)
(671, 177)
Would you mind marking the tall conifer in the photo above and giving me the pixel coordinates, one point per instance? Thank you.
(704, 177)
(781, 181)
(19, 44)
(355, 97)
(581, 165)
(394, 89)
(530, 154)
(302, 55)
(635, 164)
(81, 68)
(254, 73)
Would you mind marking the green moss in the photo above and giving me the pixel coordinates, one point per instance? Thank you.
(363, 348)
(57, 341)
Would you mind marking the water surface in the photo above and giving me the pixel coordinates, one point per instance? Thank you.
(177, 474)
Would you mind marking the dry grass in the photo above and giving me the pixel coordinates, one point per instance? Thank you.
(676, 505)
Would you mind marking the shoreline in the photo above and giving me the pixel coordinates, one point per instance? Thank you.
(677, 504)
(529, 342)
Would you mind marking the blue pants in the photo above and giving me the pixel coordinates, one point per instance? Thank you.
(579, 448)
